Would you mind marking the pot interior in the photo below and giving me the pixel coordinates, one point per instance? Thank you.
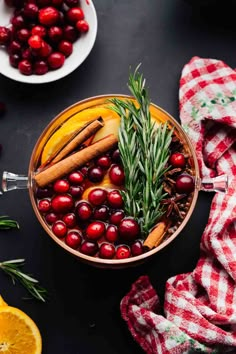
(101, 101)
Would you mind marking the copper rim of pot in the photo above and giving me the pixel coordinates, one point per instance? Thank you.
(50, 128)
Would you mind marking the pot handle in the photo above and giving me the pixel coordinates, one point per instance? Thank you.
(216, 184)
(11, 181)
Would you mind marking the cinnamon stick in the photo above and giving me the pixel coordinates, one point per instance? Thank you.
(75, 160)
(80, 138)
(156, 235)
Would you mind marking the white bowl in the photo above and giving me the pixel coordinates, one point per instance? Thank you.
(81, 49)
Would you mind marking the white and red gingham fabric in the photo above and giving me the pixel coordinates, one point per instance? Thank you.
(199, 307)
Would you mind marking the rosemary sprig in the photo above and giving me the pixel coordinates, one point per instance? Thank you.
(6, 223)
(144, 150)
(13, 269)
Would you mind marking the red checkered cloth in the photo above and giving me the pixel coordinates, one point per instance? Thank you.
(199, 307)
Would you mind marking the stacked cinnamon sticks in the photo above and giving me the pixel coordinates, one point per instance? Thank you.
(65, 161)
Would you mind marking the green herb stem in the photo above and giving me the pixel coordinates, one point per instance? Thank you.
(13, 269)
(6, 223)
(144, 149)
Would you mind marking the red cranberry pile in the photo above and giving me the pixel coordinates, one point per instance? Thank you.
(96, 226)
(87, 214)
(42, 33)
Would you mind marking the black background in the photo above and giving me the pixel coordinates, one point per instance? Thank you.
(82, 315)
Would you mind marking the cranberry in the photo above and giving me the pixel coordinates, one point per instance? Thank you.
(4, 35)
(23, 35)
(25, 67)
(2, 109)
(97, 196)
(116, 217)
(177, 160)
(123, 252)
(137, 248)
(76, 191)
(69, 33)
(112, 233)
(115, 199)
(27, 54)
(73, 239)
(48, 16)
(46, 192)
(84, 211)
(65, 47)
(31, 11)
(117, 175)
(129, 229)
(59, 228)
(89, 248)
(101, 213)
(82, 26)
(40, 67)
(61, 186)
(39, 30)
(35, 41)
(14, 60)
(104, 162)
(56, 60)
(74, 14)
(14, 47)
(44, 205)
(18, 22)
(184, 183)
(51, 218)
(95, 230)
(55, 33)
(76, 177)
(45, 50)
(71, 3)
(62, 203)
(116, 156)
(69, 219)
(84, 170)
(95, 174)
(107, 250)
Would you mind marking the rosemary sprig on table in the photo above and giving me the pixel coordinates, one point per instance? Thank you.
(13, 269)
(144, 150)
(6, 223)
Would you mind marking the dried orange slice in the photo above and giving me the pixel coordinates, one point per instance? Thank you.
(18, 332)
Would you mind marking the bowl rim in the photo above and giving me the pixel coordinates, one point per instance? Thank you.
(113, 262)
(71, 63)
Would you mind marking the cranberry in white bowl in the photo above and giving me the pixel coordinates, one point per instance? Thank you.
(47, 40)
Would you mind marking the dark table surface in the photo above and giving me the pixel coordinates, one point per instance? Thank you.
(82, 315)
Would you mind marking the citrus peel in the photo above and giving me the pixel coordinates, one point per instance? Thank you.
(18, 332)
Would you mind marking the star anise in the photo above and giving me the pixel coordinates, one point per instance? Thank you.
(176, 144)
(169, 182)
(172, 205)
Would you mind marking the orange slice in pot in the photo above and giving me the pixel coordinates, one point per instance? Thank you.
(105, 184)
(67, 130)
(18, 332)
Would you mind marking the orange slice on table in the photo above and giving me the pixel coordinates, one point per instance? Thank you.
(18, 332)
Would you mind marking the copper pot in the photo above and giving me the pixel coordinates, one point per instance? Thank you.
(11, 181)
